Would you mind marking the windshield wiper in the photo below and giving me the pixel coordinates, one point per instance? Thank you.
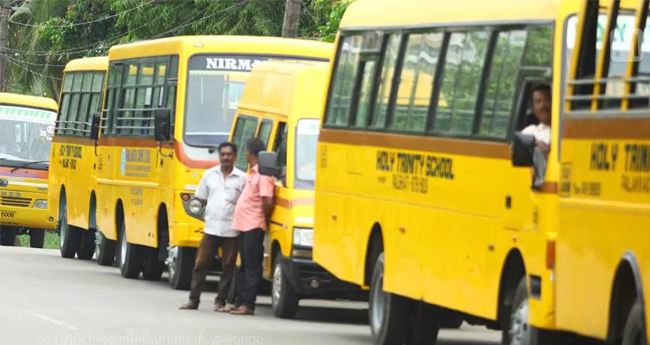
(27, 164)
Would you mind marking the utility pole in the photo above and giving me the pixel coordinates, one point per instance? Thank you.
(5, 9)
(291, 19)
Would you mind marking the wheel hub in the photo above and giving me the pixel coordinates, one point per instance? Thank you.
(277, 284)
(63, 225)
(172, 257)
(519, 327)
(379, 303)
(123, 246)
(98, 243)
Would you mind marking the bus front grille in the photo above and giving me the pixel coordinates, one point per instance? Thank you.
(15, 202)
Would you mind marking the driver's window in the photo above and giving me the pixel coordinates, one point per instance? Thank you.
(535, 120)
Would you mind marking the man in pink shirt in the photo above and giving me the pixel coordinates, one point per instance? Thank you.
(252, 216)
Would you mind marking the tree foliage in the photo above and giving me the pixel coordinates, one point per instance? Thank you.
(43, 40)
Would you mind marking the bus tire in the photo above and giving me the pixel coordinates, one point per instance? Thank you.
(283, 299)
(388, 313)
(519, 330)
(8, 236)
(426, 323)
(634, 331)
(180, 267)
(451, 320)
(36, 238)
(86, 245)
(105, 250)
(69, 235)
(131, 257)
(153, 268)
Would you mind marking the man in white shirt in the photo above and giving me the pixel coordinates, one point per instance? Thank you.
(541, 132)
(219, 191)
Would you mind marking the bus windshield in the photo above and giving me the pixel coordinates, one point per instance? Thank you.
(25, 133)
(214, 87)
(306, 147)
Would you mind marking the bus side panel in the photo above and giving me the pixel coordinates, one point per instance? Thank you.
(336, 248)
(604, 217)
(106, 201)
(79, 184)
(443, 218)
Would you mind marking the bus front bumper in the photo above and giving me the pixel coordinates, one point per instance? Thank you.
(310, 280)
(27, 217)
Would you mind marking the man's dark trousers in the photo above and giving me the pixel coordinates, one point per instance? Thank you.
(205, 259)
(249, 276)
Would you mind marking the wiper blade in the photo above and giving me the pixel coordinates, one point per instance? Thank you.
(27, 164)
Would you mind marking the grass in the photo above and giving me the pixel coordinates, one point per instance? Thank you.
(51, 240)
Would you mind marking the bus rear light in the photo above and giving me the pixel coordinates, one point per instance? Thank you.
(550, 255)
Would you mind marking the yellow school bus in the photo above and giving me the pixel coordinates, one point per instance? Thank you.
(26, 129)
(71, 184)
(421, 202)
(158, 134)
(602, 278)
(281, 105)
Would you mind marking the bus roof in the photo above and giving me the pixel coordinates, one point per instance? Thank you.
(99, 63)
(190, 45)
(28, 101)
(413, 13)
(277, 87)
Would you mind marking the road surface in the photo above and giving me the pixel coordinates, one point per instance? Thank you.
(45, 299)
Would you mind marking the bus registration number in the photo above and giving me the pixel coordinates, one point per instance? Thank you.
(7, 214)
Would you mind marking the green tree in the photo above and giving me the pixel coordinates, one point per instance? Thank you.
(336, 9)
(52, 33)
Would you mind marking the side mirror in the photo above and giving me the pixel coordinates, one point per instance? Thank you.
(523, 146)
(162, 125)
(94, 126)
(268, 163)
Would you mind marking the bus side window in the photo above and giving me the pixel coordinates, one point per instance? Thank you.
(280, 147)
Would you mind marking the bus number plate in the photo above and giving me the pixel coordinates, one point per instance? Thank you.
(7, 214)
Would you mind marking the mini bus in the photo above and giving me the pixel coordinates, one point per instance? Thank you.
(26, 131)
(281, 105)
(167, 103)
(602, 169)
(71, 174)
(436, 206)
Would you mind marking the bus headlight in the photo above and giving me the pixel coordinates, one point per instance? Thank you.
(303, 237)
(195, 206)
(42, 204)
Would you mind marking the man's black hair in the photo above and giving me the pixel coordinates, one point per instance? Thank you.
(232, 145)
(543, 87)
(255, 146)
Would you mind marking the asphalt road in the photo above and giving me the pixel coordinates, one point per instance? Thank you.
(45, 299)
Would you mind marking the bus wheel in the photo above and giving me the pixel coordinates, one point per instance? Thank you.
(635, 326)
(283, 299)
(180, 262)
(131, 259)
(451, 320)
(87, 245)
(153, 268)
(69, 235)
(426, 323)
(8, 236)
(519, 331)
(388, 313)
(36, 238)
(104, 249)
